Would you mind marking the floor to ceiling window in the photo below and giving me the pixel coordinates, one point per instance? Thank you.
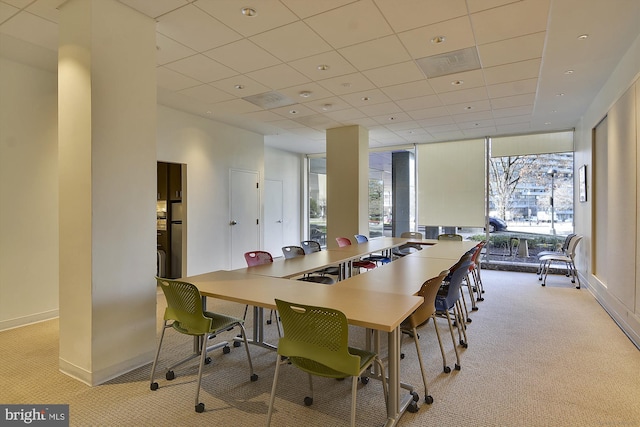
(318, 199)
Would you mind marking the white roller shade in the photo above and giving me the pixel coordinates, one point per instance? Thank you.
(451, 183)
(520, 145)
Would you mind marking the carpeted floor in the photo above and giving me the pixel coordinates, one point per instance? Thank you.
(537, 357)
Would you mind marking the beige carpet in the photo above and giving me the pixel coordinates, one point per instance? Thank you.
(537, 357)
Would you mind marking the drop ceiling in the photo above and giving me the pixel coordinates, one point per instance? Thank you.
(410, 71)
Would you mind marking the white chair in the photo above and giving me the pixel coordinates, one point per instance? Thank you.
(567, 259)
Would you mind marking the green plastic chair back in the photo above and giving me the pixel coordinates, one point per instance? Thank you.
(316, 340)
(184, 307)
(450, 236)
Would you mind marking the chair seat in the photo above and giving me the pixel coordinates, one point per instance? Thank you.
(558, 257)
(315, 368)
(318, 279)
(364, 264)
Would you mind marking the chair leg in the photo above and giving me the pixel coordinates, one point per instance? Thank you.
(273, 389)
(445, 368)
(427, 397)
(453, 340)
(354, 389)
(462, 327)
(252, 375)
(153, 385)
(472, 296)
(203, 354)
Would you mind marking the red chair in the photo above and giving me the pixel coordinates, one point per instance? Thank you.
(254, 258)
(368, 265)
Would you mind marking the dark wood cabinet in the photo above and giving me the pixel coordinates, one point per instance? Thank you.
(169, 229)
(175, 181)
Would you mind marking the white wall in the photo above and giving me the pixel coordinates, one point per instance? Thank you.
(28, 194)
(287, 167)
(626, 73)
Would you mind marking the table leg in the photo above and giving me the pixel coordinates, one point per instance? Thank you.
(395, 405)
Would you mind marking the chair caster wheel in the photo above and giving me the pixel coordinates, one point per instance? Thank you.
(254, 377)
(474, 309)
(170, 375)
(200, 408)
(458, 367)
(226, 349)
(428, 400)
(364, 380)
(268, 322)
(207, 360)
(308, 401)
(413, 407)
(543, 284)
(401, 355)
(480, 299)
(469, 319)
(154, 386)
(447, 369)
(465, 345)
(237, 343)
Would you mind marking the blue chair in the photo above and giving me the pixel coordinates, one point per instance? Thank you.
(360, 238)
(447, 303)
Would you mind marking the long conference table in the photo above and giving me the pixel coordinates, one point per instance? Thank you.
(378, 300)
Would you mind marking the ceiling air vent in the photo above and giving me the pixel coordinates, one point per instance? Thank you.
(453, 62)
(269, 100)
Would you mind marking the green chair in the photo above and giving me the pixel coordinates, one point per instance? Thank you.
(184, 313)
(315, 340)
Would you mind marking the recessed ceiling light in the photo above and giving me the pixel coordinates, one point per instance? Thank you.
(327, 107)
(583, 36)
(438, 39)
(554, 111)
(365, 98)
(346, 84)
(468, 107)
(392, 118)
(569, 72)
(209, 112)
(249, 11)
(239, 87)
(293, 111)
(560, 94)
(305, 94)
(547, 123)
(323, 67)
(457, 82)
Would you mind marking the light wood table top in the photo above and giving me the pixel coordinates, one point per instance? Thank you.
(446, 249)
(288, 268)
(369, 309)
(403, 276)
(380, 244)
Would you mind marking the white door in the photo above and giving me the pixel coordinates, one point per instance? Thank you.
(273, 221)
(244, 215)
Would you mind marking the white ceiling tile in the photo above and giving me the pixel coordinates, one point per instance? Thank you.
(337, 26)
(366, 98)
(515, 71)
(247, 86)
(346, 114)
(278, 77)
(442, 128)
(169, 50)
(513, 128)
(194, 28)
(243, 56)
(20, 4)
(327, 105)
(518, 87)
(512, 119)
(469, 107)
(427, 113)
(316, 92)
(408, 90)
(311, 66)
(47, 9)
(269, 14)
(349, 83)
(306, 8)
(366, 122)
(448, 136)
(419, 103)
(478, 5)
(376, 53)
(512, 50)
(465, 95)
(263, 116)
(234, 106)
(201, 68)
(173, 80)
(395, 74)
(415, 13)
(292, 112)
(430, 122)
(404, 126)
(513, 20)
(291, 42)
(477, 116)
(207, 94)
(286, 124)
(468, 79)
(387, 108)
(513, 101)
(155, 8)
(32, 28)
(457, 32)
(7, 11)
(318, 122)
(513, 111)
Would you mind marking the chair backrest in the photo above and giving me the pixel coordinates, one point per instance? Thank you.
(361, 238)
(571, 250)
(184, 307)
(450, 236)
(310, 246)
(457, 276)
(567, 240)
(411, 235)
(257, 258)
(343, 241)
(292, 251)
(316, 335)
(477, 249)
(428, 291)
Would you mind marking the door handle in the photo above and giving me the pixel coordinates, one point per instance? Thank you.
(279, 221)
(233, 223)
